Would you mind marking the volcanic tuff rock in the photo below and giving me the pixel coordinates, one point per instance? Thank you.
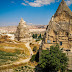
(59, 30)
(22, 33)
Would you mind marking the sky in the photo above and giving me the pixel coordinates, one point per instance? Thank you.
(37, 12)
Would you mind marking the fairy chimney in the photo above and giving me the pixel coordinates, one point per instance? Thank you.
(22, 33)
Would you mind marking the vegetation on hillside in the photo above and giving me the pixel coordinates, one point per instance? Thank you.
(11, 51)
(37, 37)
(8, 57)
(35, 57)
(26, 68)
(52, 60)
(34, 47)
(5, 38)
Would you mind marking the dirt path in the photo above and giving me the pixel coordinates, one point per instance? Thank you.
(21, 61)
(30, 50)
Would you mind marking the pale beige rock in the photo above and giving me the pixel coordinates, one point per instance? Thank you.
(22, 33)
(59, 30)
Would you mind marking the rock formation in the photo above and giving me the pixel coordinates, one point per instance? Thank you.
(22, 33)
(59, 30)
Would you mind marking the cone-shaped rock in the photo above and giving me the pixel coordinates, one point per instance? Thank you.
(59, 29)
(22, 33)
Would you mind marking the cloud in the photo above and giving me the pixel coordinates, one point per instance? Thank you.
(26, 1)
(39, 3)
(69, 2)
(24, 4)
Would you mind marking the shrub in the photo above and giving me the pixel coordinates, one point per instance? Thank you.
(35, 49)
(33, 58)
(39, 37)
(53, 60)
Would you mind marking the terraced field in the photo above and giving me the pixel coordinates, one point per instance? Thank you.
(10, 52)
(7, 57)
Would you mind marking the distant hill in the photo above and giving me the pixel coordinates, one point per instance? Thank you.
(33, 28)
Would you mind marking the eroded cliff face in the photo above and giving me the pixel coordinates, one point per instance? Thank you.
(64, 16)
(59, 29)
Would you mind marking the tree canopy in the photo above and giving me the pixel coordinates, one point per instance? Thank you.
(53, 60)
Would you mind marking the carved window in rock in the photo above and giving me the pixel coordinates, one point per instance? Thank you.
(67, 33)
(54, 41)
(60, 43)
(48, 41)
(70, 34)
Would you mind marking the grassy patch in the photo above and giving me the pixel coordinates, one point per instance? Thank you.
(9, 55)
(6, 57)
(18, 46)
(34, 45)
(24, 69)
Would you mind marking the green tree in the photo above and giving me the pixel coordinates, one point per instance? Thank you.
(33, 36)
(39, 36)
(53, 60)
(35, 57)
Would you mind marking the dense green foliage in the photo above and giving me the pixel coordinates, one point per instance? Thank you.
(35, 49)
(34, 35)
(35, 57)
(8, 57)
(24, 69)
(69, 70)
(53, 60)
(39, 37)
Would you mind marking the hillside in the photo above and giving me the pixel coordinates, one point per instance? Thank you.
(33, 28)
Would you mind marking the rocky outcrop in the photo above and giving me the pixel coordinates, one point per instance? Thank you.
(59, 30)
(22, 33)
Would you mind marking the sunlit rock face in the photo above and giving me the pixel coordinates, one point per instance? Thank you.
(22, 33)
(59, 30)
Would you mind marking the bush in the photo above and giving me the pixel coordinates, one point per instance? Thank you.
(53, 60)
(18, 51)
(33, 58)
(35, 49)
(37, 40)
(39, 36)
(34, 35)
(37, 57)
